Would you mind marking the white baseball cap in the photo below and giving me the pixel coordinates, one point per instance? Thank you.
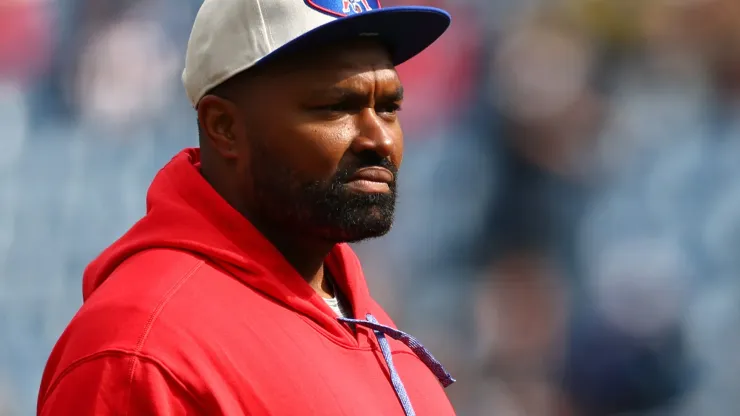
(230, 36)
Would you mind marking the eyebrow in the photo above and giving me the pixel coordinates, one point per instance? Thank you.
(346, 93)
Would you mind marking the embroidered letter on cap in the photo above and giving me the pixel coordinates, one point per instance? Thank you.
(342, 8)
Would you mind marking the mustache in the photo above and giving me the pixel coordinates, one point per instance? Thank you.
(365, 160)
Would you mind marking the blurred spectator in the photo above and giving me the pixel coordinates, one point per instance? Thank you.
(551, 113)
(78, 23)
(521, 316)
(92, 40)
(125, 75)
(609, 373)
(543, 85)
(627, 350)
(451, 66)
(25, 40)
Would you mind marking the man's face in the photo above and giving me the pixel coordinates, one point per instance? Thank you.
(323, 144)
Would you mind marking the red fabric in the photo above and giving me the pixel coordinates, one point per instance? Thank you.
(193, 311)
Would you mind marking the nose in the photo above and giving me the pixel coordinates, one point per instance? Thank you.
(377, 135)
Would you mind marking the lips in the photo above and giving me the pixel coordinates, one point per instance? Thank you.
(373, 174)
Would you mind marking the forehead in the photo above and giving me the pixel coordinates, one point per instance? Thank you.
(353, 61)
(350, 55)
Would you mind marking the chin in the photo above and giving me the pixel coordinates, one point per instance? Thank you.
(357, 232)
(365, 235)
(356, 224)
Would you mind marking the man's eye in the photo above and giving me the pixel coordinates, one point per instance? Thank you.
(336, 108)
(389, 108)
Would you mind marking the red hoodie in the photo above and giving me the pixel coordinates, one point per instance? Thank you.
(194, 312)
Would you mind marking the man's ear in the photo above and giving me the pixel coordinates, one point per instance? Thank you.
(220, 125)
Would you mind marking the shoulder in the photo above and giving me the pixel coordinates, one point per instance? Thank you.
(131, 300)
(114, 382)
(139, 310)
(146, 320)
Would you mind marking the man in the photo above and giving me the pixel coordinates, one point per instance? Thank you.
(235, 294)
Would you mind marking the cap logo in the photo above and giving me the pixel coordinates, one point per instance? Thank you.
(343, 8)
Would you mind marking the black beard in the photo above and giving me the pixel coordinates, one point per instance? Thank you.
(328, 210)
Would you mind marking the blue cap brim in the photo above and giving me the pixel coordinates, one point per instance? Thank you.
(405, 31)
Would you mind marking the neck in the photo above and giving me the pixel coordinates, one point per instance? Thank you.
(305, 255)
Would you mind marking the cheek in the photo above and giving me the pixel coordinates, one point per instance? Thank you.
(397, 156)
(313, 152)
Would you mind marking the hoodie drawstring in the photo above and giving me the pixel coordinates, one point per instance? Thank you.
(424, 355)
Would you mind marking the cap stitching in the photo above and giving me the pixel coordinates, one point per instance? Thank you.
(268, 36)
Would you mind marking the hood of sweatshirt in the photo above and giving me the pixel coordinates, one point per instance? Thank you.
(183, 212)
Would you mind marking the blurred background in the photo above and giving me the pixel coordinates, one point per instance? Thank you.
(569, 201)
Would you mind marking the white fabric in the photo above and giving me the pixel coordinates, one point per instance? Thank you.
(338, 303)
(338, 307)
(230, 36)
